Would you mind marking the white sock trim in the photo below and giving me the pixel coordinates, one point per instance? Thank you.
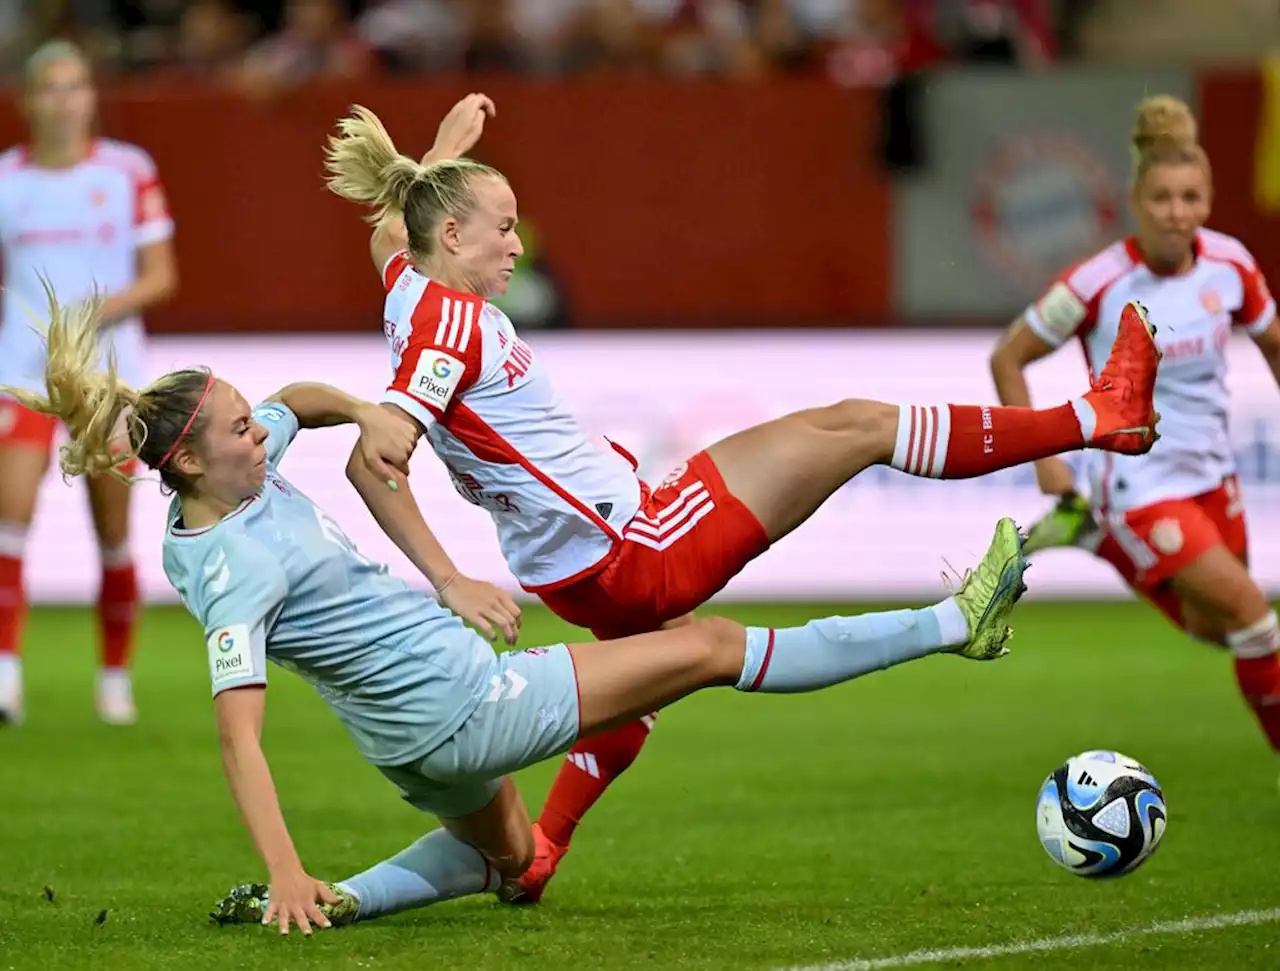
(951, 623)
(1087, 418)
(924, 432)
(13, 540)
(115, 557)
(1257, 640)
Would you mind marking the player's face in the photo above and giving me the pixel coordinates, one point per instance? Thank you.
(233, 459)
(487, 242)
(1171, 204)
(61, 101)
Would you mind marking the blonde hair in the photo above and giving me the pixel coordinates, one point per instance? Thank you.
(51, 52)
(364, 167)
(1164, 133)
(109, 423)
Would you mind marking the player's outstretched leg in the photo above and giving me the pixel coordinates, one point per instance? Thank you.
(618, 680)
(972, 623)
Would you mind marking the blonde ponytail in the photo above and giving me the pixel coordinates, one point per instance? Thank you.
(109, 423)
(364, 166)
(91, 402)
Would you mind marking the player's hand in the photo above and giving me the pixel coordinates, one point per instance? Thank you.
(1054, 477)
(111, 312)
(386, 441)
(483, 606)
(462, 127)
(296, 898)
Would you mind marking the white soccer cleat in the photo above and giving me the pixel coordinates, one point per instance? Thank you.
(115, 698)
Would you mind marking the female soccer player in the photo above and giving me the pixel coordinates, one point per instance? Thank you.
(576, 525)
(1171, 521)
(426, 700)
(89, 214)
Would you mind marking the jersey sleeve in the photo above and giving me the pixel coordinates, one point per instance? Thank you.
(153, 222)
(1257, 307)
(241, 590)
(1060, 314)
(281, 425)
(396, 264)
(441, 361)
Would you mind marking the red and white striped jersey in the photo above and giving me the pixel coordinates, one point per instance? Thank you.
(559, 500)
(1194, 314)
(81, 228)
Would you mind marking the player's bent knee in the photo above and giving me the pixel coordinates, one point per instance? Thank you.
(870, 423)
(723, 642)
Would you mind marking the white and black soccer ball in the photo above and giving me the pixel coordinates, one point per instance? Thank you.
(1101, 814)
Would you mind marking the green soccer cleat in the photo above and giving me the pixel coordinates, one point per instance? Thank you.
(248, 902)
(987, 595)
(1069, 523)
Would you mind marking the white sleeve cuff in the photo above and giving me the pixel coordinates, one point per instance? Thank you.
(411, 405)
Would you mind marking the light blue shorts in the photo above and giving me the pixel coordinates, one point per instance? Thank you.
(530, 714)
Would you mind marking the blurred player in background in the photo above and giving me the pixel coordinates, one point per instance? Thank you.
(1171, 521)
(89, 214)
(576, 525)
(270, 576)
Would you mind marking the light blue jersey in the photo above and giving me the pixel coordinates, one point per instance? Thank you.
(278, 580)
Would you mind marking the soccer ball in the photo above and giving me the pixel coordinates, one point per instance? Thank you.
(1101, 814)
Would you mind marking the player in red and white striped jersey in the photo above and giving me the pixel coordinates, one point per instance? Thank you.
(578, 528)
(1171, 521)
(86, 214)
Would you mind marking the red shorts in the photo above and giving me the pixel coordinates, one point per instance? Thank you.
(1154, 543)
(690, 537)
(23, 427)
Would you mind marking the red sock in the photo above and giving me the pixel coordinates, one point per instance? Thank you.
(963, 441)
(1258, 672)
(1259, 680)
(117, 613)
(587, 772)
(13, 605)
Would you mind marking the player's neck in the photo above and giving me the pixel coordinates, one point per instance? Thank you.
(448, 277)
(203, 512)
(1164, 267)
(60, 154)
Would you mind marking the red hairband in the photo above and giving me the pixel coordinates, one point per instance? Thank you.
(187, 427)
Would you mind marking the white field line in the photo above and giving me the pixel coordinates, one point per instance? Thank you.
(1068, 942)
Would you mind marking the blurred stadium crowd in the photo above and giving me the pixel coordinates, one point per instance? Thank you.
(263, 45)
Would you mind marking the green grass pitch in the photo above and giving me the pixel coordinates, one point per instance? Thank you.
(868, 821)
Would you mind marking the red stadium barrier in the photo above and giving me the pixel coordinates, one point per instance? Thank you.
(1232, 119)
(655, 203)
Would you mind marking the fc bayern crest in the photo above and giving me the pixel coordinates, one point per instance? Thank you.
(1166, 536)
(1041, 203)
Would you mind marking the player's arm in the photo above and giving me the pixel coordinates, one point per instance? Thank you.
(157, 281)
(1044, 327)
(157, 266)
(239, 714)
(457, 135)
(241, 594)
(1257, 315)
(1017, 347)
(385, 442)
(1268, 341)
(396, 511)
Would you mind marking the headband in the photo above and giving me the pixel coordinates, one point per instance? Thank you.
(187, 427)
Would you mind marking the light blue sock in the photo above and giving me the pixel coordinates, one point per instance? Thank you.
(436, 867)
(827, 652)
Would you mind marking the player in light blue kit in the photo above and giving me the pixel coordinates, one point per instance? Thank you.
(425, 699)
